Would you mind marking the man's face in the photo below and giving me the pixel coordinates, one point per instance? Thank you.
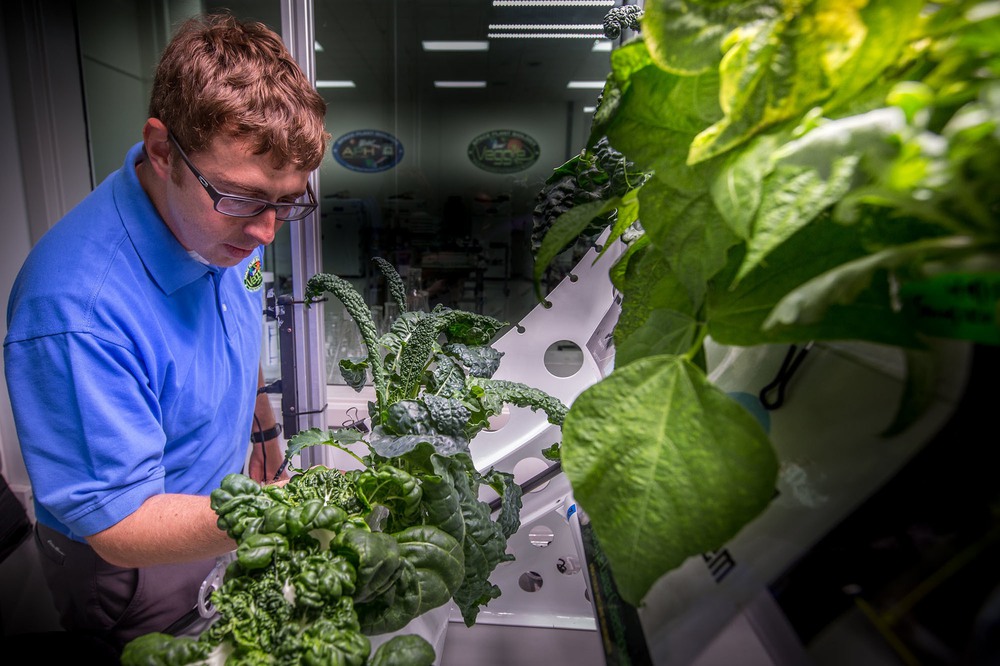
(231, 168)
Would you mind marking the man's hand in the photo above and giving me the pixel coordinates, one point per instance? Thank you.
(274, 458)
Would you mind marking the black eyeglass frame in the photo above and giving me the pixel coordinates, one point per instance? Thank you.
(218, 196)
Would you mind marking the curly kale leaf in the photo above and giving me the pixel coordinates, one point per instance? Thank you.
(445, 377)
(509, 520)
(521, 395)
(484, 543)
(355, 305)
(354, 371)
(406, 650)
(478, 361)
(619, 19)
(468, 328)
(599, 173)
(438, 421)
(396, 288)
(414, 342)
(413, 358)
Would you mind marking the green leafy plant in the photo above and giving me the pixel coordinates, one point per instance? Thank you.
(817, 171)
(332, 557)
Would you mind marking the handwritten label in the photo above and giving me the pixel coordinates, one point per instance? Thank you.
(965, 306)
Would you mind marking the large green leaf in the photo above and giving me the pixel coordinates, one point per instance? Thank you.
(565, 229)
(810, 302)
(657, 317)
(688, 229)
(792, 197)
(666, 466)
(736, 316)
(776, 69)
(887, 27)
(686, 36)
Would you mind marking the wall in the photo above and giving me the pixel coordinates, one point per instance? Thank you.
(435, 143)
(13, 250)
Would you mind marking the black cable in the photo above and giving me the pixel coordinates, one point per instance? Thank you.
(263, 449)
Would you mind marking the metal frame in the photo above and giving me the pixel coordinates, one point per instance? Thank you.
(301, 325)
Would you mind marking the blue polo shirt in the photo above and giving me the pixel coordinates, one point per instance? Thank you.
(131, 365)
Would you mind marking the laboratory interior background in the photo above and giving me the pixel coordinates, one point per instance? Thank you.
(436, 159)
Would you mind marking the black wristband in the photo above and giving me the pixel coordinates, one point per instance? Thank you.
(269, 434)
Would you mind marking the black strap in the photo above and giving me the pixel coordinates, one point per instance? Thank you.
(259, 437)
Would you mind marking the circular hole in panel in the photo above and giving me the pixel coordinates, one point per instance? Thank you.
(541, 536)
(563, 358)
(568, 564)
(530, 581)
(528, 468)
(498, 421)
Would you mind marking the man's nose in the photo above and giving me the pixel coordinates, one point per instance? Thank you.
(263, 227)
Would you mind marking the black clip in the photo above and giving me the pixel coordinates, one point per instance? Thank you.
(273, 387)
(793, 358)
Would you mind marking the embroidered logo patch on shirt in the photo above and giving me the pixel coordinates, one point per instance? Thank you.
(254, 278)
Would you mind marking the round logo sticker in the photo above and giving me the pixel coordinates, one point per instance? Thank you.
(367, 151)
(503, 151)
(253, 279)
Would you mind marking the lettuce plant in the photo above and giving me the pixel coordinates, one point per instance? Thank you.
(818, 170)
(335, 556)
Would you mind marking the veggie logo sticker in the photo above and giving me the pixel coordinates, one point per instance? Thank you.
(254, 278)
(503, 151)
(367, 151)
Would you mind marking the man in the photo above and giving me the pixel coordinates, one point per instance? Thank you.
(134, 328)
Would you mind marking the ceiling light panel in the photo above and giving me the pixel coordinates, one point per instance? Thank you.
(455, 46)
(325, 83)
(460, 84)
(546, 26)
(553, 3)
(544, 35)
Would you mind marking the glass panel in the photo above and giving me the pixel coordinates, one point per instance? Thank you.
(120, 42)
(441, 181)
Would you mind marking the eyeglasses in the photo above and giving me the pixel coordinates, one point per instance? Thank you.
(237, 206)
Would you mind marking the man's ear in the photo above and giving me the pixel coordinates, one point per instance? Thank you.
(157, 145)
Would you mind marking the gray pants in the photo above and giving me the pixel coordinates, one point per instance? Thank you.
(114, 603)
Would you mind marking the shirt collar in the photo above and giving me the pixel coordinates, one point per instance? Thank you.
(166, 260)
